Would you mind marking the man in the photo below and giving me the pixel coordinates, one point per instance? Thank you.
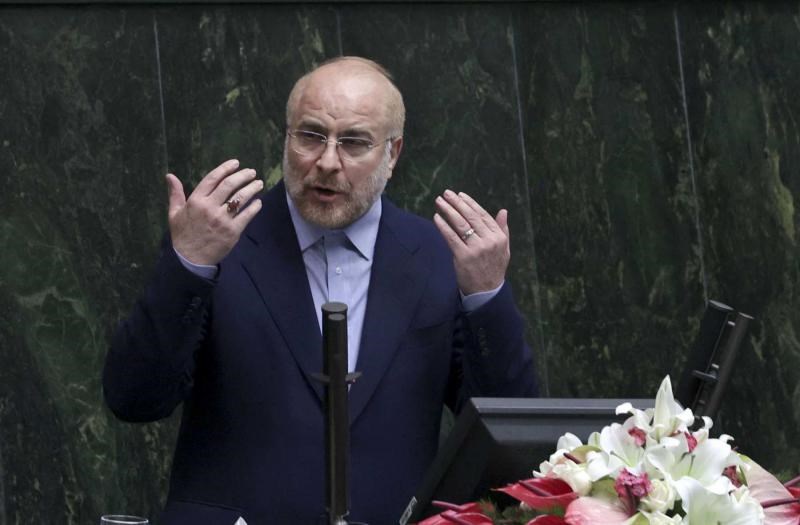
(230, 324)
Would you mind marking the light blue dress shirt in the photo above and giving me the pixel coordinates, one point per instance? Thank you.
(338, 265)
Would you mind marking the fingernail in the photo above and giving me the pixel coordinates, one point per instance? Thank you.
(449, 193)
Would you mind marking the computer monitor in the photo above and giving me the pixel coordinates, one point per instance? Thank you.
(497, 441)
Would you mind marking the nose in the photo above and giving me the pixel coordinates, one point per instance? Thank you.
(330, 161)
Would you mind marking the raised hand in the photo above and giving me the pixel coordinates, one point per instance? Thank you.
(206, 226)
(480, 243)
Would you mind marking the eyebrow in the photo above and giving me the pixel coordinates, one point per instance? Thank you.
(356, 132)
(311, 125)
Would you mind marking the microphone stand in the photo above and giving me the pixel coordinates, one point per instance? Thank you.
(337, 424)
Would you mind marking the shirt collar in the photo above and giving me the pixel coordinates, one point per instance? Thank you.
(362, 233)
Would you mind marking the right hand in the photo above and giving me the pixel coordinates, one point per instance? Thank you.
(203, 230)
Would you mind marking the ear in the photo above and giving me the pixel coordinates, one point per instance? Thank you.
(394, 151)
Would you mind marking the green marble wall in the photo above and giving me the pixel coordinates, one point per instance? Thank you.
(624, 220)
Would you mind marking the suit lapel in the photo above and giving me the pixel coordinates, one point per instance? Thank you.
(272, 259)
(396, 284)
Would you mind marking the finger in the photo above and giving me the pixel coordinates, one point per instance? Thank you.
(470, 214)
(246, 215)
(231, 184)
(451, 215)
(484, 215)
(177, 199)
(246, 194)
(502, 222)
(451, 237)
(213, 178)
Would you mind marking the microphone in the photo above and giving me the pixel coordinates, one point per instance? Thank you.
(337, 422)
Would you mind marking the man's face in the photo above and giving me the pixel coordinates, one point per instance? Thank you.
(329, 189)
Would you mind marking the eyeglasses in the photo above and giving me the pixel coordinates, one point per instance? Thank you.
(313, 144)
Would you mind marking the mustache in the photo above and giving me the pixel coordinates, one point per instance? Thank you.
(326, 182)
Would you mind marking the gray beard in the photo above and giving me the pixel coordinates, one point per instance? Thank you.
(336, 216)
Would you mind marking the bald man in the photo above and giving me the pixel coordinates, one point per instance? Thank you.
(229, 326)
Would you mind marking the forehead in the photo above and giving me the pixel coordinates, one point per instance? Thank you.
(341, 97)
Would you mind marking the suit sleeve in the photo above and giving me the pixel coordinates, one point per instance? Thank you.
(493, 359)
(149, 367)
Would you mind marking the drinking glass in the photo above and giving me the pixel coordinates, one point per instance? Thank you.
(122, 519)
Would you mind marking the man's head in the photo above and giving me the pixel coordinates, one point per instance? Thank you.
(348, 97)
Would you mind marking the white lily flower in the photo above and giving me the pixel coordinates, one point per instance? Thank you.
(669, 417)
(705, 507)
(709, 460)
(615, 440)
(575, 475)
(568, 442)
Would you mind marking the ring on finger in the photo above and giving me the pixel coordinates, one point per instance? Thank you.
(232, 205)
(467, 234)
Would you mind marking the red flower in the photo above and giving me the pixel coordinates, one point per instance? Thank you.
(779, 502)
(467, 514)
(543, 494)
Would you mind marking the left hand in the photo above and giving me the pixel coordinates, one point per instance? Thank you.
(480, 244)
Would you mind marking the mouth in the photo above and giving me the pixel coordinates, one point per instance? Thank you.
(324, 194)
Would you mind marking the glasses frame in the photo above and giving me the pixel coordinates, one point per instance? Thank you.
(324, 141)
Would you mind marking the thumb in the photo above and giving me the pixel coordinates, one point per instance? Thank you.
(502, 221)
(177, 199)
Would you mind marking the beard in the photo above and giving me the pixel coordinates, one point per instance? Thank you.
(335, 215)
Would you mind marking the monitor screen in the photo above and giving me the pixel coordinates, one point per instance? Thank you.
(497, 441)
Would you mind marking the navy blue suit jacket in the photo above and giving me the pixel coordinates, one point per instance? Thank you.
(239, 354)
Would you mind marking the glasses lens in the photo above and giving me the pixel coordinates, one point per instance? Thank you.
(354, 147)
(308, 142)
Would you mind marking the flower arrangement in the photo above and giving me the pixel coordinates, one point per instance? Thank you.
(651, 469)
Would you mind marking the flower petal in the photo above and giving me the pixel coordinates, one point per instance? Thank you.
(766, 487)
(560, 493)
(592, 511)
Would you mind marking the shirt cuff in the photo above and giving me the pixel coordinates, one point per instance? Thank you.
(473, 301)
(206, 271)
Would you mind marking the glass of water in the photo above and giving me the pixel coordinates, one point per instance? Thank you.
(122, 519)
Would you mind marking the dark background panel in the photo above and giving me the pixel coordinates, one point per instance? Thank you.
(742, 80)
(79, 136)
(612, 204)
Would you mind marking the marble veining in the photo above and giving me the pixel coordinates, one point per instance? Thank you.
(648, 156)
